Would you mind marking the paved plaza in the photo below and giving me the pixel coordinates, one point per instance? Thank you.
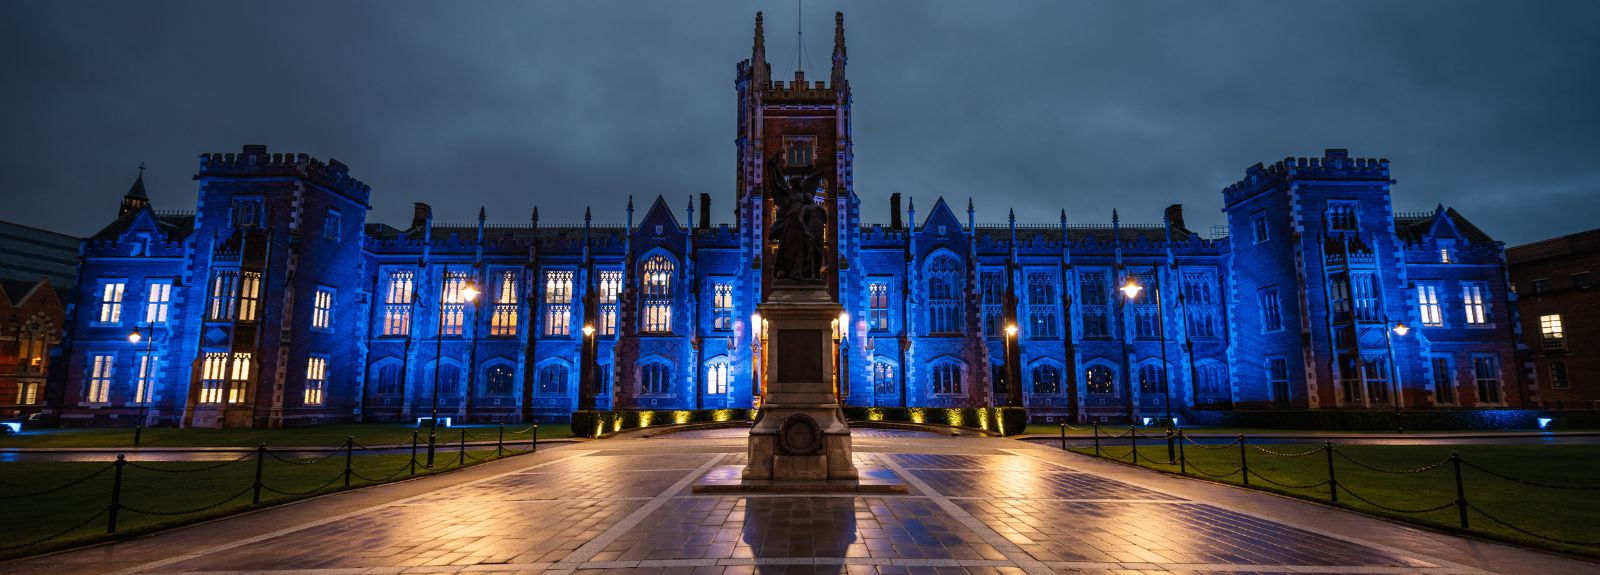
(975, 505)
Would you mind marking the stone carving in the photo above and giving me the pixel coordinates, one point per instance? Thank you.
(799, 226)
(799, 435)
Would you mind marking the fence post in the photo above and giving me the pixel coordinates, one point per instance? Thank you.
(1171, 454)
(1133, 439)
(500, 444)
(349, 449)
(261, 458)
(116, 495)
(1183, 461)
(413, 452)
(535, 439)
(1244, 463)
(1461, 491)
(1063, 436)
(1097, 439)
(1333, 481)
(463, 453)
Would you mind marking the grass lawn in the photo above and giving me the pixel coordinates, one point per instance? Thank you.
(370, 434)
(158, 495)
(1566, 514)
(1085, 430)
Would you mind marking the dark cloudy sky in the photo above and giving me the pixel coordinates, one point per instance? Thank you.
(1493, 107)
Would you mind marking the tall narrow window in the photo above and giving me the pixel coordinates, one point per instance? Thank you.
(1366, 296)
(1092, 301)
(944, 295)
(454, 305)
(1551, 333)
(1046, 380)
(397, 298)
(1100, 380)
(32, 350)
(1444, 382)
(249, 295)
(878, 305)
(111, 302)
(449, 380)
(1212, 382)
(1558, 375)
(224, 295)
(1342, 216)
(389, 380)
(883, 382)
(27, 393)
(1042, 305)
(656, 283)
(1199, 303)
(499, 380)
(717, 378)
(610, 287)
(947, 378)
(1350, 379)
(1146, 315)
(1444, 255)
(1271, 310)
(322, 309)
(213, 377)
(553, 379)
(557, 303)
(799, 150)
(316, 379)
(330, 225)
(1377, 377)
(158, 298)
(1428, 300)
(1152, 379)
(655, 379)
(1486, 373)
(143, 378)
(1278, 380)
(1339, 298)
(503, 321)
(246, 212)
(1472, 299)
(240, 378)
(101, 368)
(722, 306)
(1258, 226)
(992, 286)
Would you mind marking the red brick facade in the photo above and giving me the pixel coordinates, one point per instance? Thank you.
(31, 319)
(1560, 309)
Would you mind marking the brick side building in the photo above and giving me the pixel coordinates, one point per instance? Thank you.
(277, 303)
(1560, 306)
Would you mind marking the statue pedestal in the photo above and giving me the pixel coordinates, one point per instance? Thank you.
(801, 434)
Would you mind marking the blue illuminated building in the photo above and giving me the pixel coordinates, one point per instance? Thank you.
(277, 303)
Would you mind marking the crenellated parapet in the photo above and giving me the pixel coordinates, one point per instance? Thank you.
(799, 91)
(254, 162)
(1335, 165)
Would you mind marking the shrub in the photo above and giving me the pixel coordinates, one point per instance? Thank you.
(591, 423)
(1002, 420)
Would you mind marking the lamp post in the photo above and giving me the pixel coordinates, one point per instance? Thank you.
(1011, 374)
(144, 387)
(1131, 290)
(586, 368)
(1401, 330)
(467, 293)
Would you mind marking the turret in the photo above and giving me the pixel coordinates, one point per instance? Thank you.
(135, 199)
(837, 79)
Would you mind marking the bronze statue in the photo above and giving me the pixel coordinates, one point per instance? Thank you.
(799, 227)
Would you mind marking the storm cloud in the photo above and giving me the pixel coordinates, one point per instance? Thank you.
(1491, 107)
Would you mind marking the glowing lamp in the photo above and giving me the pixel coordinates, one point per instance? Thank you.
(1544, 422)
(1400, 329)
(1011, 330)
(1131, 289)
(469, 293)
(1146, 422)
(135, 336)
(588, 330)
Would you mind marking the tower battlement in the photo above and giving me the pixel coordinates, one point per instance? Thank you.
(799, 90)
(1335, 164)
(255, 161)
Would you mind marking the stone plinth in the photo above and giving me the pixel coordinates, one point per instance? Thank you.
(801, 434)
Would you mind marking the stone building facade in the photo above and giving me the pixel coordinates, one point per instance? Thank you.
(276, 303)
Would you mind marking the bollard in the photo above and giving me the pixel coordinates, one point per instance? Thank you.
(535, 437)
(413, 452)
(1097, 439)
(1333, 482)
(1461, 491)
(463, 459)
(116, 496)
(1183, 462)
(349, 448)
(1063, 436)
(500, 444)
(1244, 464)
(1133, 440)
(1172, 458)
(261, 458)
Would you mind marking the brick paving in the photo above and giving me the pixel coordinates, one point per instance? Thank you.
(976, 506)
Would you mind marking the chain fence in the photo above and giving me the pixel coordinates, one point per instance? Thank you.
(285, 485)
(1126, 450)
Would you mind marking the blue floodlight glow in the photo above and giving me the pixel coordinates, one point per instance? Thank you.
(1147, 422)
(1544, 423)
(443, 421)
(15, 426)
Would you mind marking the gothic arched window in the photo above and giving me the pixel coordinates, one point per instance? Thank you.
(717, 376)
(655, 379)
(449, 379)
(1152, 379)
(883, 377)
(947, 378)
(1213, 379)
(1046, 380)
(1100, 379)
(944, 295)
(553, 379)
(389, 380)
(499, 380)
(655, 284)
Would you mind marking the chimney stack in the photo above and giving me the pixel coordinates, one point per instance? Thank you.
(1175, 217)
(705, 211)
(894, 211)
(420, 214)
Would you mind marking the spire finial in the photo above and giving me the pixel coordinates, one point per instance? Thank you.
(586, 215)
(141, 169)
(482, 214)
(1063, 215)
(760, 45)
(838, 35)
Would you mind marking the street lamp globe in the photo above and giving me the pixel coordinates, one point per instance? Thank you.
(1011, 330)
(588, 330)
(1131, 289)
(135, 336)
(469, 293)
(1401, 329)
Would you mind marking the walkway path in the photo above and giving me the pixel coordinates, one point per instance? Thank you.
(976, 506)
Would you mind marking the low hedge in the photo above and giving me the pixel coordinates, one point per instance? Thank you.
(589, 423)
(1002, 420)
(1379, 420)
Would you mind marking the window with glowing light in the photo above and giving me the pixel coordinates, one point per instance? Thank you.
(322, 309)
(503, 316)
(1428, 305)
(656, 285)
(944, 295)
(557, 303)
(1551, 332)
(101, 368)
(111, 302)
(717, 377)
(454, 305)
(946, 378)
(144, 377)
(722, 306)
(397, 295)
(610, 286)
(1100, 380)
(1472, 299)
(158, 299)
(316, 380)
(1046, 380)
(878, 306)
